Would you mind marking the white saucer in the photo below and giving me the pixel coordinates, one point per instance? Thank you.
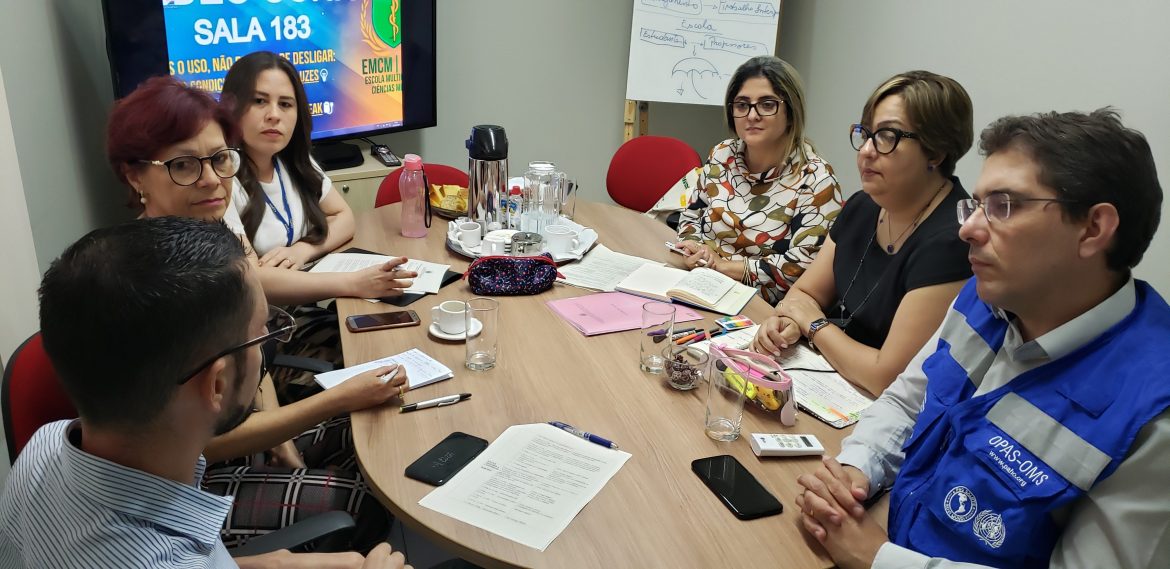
(476, 328)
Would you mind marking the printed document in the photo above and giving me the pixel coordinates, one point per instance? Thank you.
(528, 485)
(820, 390)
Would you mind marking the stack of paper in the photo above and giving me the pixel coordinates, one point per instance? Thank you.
(421, 370)
(528, 485)
(429, 279)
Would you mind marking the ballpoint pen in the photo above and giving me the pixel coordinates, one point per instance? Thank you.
(438, 402)
(579, 433)
(390, 375)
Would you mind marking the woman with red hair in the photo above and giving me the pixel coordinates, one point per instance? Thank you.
(173, 146)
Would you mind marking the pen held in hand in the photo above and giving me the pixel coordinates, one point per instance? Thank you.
(389, 376)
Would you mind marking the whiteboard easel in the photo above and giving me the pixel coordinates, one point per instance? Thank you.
(685, 51)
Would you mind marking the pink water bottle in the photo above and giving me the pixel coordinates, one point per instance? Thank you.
(415, 205)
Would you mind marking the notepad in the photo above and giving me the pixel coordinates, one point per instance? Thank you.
(429, 279)
(421, 370)
(702, 287)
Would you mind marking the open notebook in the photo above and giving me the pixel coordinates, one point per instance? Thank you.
(701, 287)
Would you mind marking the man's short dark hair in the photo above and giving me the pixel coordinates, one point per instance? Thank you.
(1090, 158)
(128, 310)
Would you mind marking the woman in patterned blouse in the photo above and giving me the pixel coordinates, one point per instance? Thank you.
(763, 204)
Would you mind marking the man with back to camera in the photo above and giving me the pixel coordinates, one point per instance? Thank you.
(1032, 429)
(155, 328)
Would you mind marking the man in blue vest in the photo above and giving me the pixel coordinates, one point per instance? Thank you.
(1032, 430)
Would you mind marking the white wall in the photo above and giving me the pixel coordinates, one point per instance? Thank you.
(1012, 57)
(58, 83)
(19, 285)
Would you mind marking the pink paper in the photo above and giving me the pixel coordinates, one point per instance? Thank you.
(606, 312)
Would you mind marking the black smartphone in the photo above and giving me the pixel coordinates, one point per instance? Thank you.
(446, 459)
(736, 487)
(381, 321)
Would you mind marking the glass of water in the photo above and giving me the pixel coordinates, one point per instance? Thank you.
(725, 398)
(657, 322)
(483, 331)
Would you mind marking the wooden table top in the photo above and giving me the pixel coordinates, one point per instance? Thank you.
(654, 512)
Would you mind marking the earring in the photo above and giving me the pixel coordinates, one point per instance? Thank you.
(142, 199)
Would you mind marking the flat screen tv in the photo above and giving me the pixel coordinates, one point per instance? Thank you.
(368, 65)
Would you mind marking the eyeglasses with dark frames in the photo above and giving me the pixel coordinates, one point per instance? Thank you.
(998, 206)
(885, 139)
(186, 170)
(281, 326)
(763, 107)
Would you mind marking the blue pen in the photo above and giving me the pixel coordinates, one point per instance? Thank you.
(579, 433)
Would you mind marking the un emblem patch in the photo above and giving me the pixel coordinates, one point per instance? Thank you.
(989, 527)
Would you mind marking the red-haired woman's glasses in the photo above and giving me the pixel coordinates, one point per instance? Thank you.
(186, 170)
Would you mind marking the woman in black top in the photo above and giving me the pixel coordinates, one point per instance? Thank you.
(882, 283)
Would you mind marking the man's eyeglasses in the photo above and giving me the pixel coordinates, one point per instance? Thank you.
(186, 170)
(997, 207)
(763, 107)
(281, 326)
(885, 140)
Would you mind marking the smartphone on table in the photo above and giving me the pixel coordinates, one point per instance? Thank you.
(736, 487)
(381, 321)
(446, 459)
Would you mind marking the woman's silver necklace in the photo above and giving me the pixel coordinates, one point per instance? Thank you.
(917, 219)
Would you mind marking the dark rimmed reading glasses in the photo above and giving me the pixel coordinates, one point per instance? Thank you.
(763, 107)
(281, 326)
(186, 170)
(998, 206)
(885, 139)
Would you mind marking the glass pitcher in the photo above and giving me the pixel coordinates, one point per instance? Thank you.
(543, 191)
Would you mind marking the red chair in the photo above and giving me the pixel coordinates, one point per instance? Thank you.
(644, 168)
(31, 395)
(436, 174)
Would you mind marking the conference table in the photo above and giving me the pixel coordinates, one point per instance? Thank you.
(654, 512)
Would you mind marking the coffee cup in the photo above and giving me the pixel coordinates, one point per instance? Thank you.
(470, 234)
(561, 238)
(494, 245)
(449, 316)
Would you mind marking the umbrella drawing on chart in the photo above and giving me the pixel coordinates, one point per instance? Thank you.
(690, 68)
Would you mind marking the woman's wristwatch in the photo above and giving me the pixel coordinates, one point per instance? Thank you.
(814, 327)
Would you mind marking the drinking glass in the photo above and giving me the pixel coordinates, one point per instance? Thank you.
(483, 348)
(657, 320)
(725, 398)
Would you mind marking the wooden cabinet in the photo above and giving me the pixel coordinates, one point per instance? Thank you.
(359, 185)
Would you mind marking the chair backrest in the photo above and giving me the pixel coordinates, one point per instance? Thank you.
(644, 168)
(436, 174)
(31, 395)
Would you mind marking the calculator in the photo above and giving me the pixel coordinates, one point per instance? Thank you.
(770, 444)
